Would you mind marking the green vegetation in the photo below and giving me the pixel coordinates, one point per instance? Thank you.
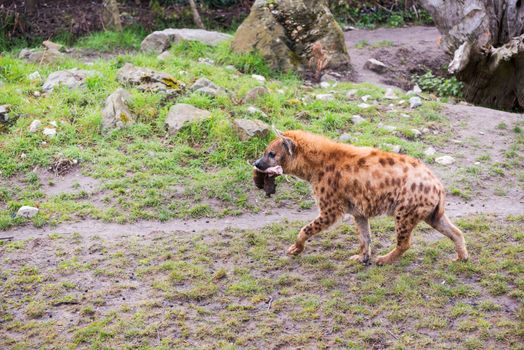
(439, 85)
(142, 174)
(238, 290)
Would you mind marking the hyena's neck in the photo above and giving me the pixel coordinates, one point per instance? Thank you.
(302, 167)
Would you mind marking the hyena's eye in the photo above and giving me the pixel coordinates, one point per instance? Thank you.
(271, 154)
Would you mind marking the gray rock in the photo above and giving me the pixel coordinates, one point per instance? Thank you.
(207, 87)
(40, 56)
(430, 151)
(4, 115)
(258, 78)
(146, 79)
(351, 93)
(375, 66)
(329, 78)
(416, 132)
(116, 113)
(255, 93)
(35, 125)
(49, 132)
(161, 40)
(445, 160)
(357, 119)
(393, 148)
(230, 68)
(249, 128)
(34, 76)
(325, 97)
(26, 212)
(415, 102)
(345, 137)
(389, 128)
(71, 78)
(324, 85)
(181, 114)
(164, 56)
(48, 44)
(206, 60)
(365, 98)
(390, 94)
(363, 105)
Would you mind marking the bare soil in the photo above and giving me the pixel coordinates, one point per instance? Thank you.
(406, 51)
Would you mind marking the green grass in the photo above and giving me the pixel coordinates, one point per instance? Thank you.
(140, 173)
(237, 289)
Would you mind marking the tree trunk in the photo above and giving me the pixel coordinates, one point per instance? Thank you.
(112, 17)
(486, 38)
(196, 15)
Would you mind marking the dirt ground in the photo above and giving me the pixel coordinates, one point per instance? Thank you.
(406, 51)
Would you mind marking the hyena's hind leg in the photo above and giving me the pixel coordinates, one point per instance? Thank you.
(362, 225)
(444, 226)
(404, 225)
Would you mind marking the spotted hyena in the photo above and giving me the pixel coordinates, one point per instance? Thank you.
(363, 182)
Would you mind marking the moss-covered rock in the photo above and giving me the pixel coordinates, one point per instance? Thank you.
(297, 35)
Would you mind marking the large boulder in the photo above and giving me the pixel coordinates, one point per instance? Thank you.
(161, 40)
(116, 113)
(293, 35)
(181, 114)
(71, 78)
(146, 79)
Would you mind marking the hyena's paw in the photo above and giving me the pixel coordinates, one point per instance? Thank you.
(295, 249)
(386, 259)
(361, 258)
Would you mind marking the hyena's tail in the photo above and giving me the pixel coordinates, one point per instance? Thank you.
(438, 212)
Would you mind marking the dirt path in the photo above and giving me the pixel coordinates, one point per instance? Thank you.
(406, 51)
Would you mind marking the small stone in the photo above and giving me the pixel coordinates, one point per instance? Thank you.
(445, 160)
(116, 113)
(364, 105)
(345, 137)
(70, 78)
(48, 44)
(329, 77)
(375, 66)
(207, 87)
(425, 130)
(389, 128)
(430, 151)
(164, 56)
(357, 119)
(415, 102)
(280, 91)
(325, 97)
(50, 132)
(416, 132)
(27, 211)
(36, 93)
(230, 68)
(258, 78)
(35, 124)
(325, 84)
(416, 89)
(404, 115)
(255, 110)
(351, 93)
(365, 98)
(53, 123)
(34, 76)
(393, 148)
(390, 94)
(206, 60)
(255, 93)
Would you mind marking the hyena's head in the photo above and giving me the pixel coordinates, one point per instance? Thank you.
(277, 156)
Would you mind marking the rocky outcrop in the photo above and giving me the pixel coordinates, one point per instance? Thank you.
(161, 40)
(293, 35)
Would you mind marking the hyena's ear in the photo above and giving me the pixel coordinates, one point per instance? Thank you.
(277, 132)
(289, 145)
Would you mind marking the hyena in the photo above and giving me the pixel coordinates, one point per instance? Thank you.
(363, 182)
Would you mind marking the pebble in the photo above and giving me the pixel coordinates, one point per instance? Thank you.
(35, 124)
(415, 102)
(445, 160)
(325, 97)
(49, 132)
(430, 151)
(364, 105)
(390, 94)
(27, 211)
(357, 119)
(258, 78)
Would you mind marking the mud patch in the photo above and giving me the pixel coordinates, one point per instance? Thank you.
(74, 182)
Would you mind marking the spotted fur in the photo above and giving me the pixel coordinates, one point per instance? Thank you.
(363, 182)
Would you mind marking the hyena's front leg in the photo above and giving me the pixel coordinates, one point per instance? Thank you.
(326, 218)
